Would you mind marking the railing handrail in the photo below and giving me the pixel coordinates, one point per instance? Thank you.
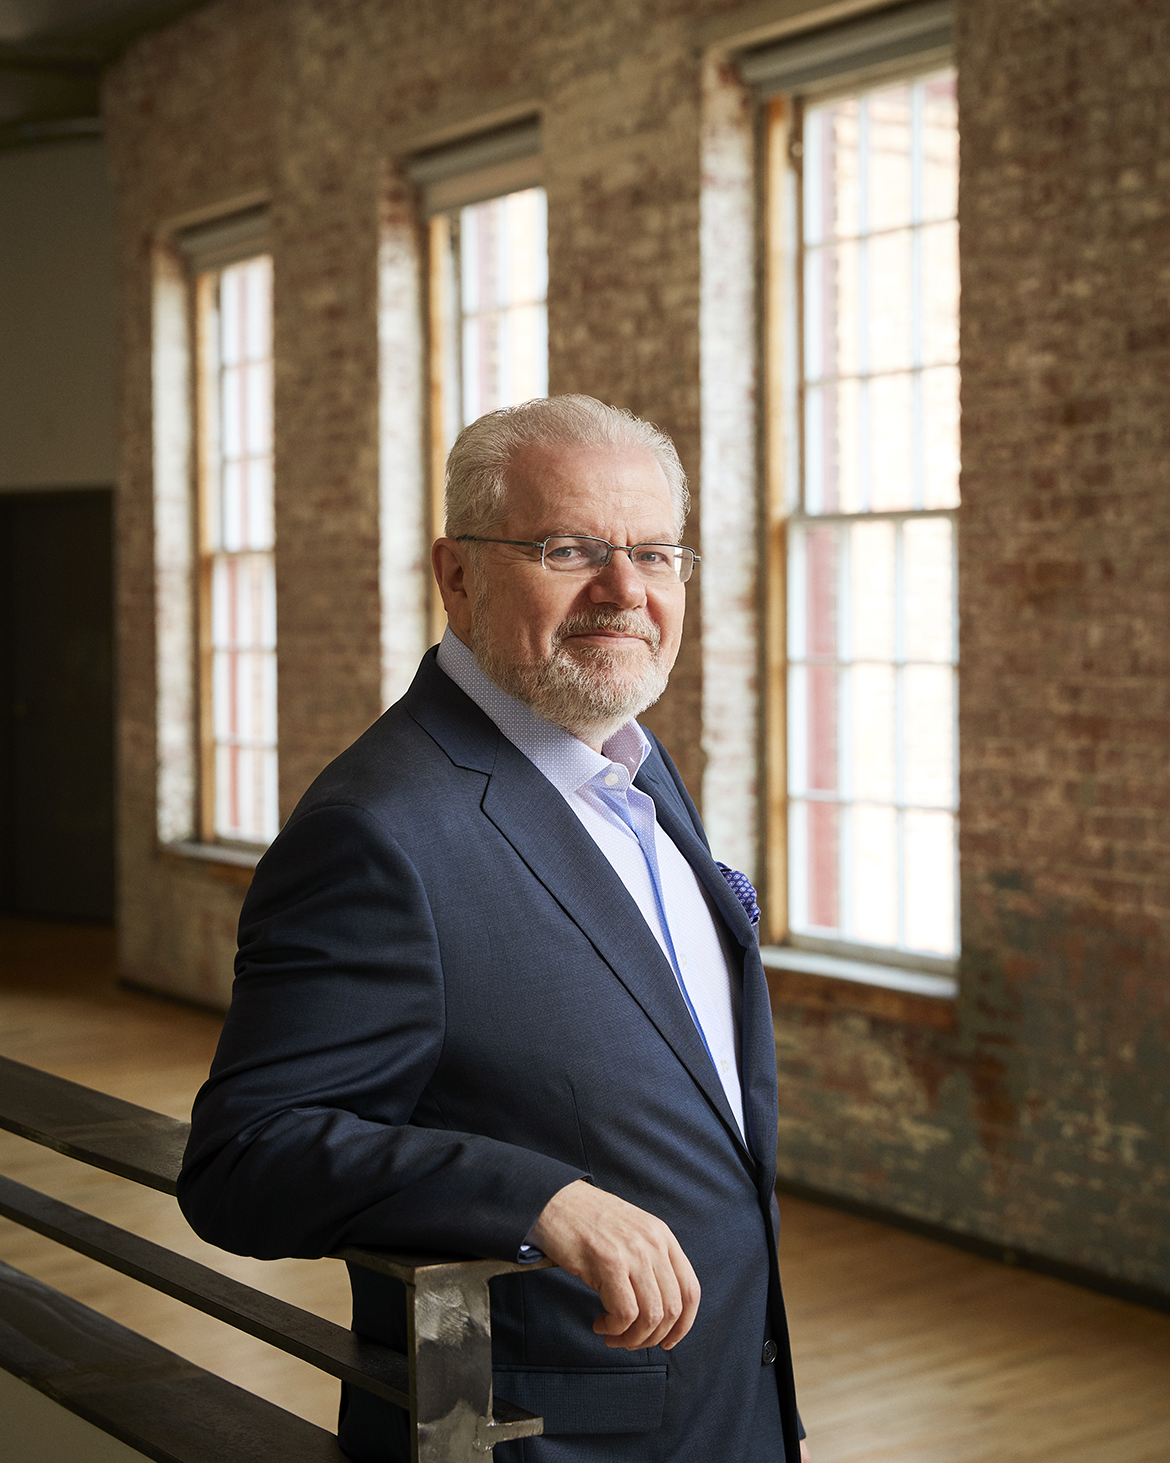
(105, 1132)
(453, 1414)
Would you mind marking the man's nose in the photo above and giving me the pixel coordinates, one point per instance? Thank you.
(618, 583)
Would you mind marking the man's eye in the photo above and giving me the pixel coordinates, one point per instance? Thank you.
(656, 559)
(565, 553)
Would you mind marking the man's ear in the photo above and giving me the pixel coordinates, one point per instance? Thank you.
(453, 574)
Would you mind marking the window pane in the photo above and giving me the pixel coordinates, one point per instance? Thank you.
(820, 575)
(873, 875)
(928, 577)
(257, 493)
(891, 436)
(940, 293)
(257, 383)
(871, 716)
(245, 802)
(891, 301)
(890, 190)
(832, 442)
(940, 147)
(526, 342)
(930, 882)
(813, 830)
(239, 538)
(940, 416)
(929, 735)
(231, 517)
(831, 311)
(871, 590)
(503, 282)
(798, 731)
(821, 733)
(257, 289)
(831, 172)
(232, 311)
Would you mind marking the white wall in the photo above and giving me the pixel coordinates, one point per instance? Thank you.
(57, 317)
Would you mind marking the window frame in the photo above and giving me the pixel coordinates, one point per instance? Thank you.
(208, 250)
(783, 452)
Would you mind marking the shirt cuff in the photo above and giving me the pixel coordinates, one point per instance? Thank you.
(529, 1253)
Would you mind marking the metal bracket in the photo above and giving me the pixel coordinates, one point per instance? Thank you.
(454, 1418)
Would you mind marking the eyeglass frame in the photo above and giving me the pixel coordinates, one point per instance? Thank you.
(531, 543)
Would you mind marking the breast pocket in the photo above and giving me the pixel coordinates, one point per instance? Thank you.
(587, 1399)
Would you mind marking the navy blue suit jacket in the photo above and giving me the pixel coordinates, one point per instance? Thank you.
(447, 1006)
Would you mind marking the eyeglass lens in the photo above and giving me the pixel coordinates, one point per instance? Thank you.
(588, 555)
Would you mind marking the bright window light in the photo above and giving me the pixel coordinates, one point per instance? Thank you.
(872, 633)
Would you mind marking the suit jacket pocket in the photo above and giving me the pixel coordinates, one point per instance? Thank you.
(627, 1399)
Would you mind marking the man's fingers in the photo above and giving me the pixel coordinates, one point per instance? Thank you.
(690, 1295)
(669, 1288)
(641, 1301)
(666, 1293)
(622, 1307)
(652, 1318)
(630, 1258)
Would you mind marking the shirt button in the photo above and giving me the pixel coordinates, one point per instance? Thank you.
(769, 1353)
(611, 779)
(682, 959)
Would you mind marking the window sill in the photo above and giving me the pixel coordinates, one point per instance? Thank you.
(814, 981)
(231, 865)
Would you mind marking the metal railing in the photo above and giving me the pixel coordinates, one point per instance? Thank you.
(166, 1407)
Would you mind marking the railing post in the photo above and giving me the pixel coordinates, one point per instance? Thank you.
(454, 1417)
(449, 1321)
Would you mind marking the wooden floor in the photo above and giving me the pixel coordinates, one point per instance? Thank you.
(907, 1351)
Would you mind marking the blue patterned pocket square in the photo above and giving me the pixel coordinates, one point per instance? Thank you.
(741, 886)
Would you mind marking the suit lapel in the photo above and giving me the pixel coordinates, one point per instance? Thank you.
(758, 1050)
(543, 830)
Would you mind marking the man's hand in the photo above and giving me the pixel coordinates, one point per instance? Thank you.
(805, 1454)
(646, 1284)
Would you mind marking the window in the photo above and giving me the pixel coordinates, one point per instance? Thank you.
(488, 264)
(491, 265)
(238, 800)
(865, 492)
(872, 639)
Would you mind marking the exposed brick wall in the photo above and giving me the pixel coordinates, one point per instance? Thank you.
(1036, 1116)
(1065, 585)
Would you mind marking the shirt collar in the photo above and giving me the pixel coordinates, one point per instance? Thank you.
(565, 760)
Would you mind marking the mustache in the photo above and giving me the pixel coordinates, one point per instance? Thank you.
(622, 622)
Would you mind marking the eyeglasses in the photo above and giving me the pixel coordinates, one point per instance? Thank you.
(576, 553)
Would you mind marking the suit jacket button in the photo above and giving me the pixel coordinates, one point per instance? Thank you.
(769, 1354)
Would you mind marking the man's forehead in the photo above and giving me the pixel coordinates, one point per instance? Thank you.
(562, 477)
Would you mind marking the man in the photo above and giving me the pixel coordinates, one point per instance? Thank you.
(494, 997)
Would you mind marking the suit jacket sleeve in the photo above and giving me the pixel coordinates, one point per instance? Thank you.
(315, 1129)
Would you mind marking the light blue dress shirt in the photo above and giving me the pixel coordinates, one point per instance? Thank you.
(620, 819)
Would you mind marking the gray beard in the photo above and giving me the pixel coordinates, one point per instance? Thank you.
(583, 691)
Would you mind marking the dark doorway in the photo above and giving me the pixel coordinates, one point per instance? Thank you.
(57, 707)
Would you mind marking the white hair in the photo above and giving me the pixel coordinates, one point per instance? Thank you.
(478, 463)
